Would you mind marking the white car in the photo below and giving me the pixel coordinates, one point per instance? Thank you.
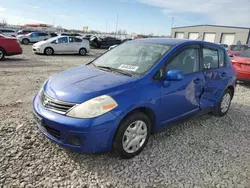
(33, 37)
(8, 32)
(62, 45)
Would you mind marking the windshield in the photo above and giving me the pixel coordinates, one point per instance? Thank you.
(136, 58)
(239, 48)
(246, 53)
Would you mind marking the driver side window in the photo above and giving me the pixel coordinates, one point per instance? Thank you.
(186, 61)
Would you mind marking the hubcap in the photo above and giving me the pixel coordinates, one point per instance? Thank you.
(1, 54)
(134, 136)
(225, 103)
(49, 51)
(82, 52)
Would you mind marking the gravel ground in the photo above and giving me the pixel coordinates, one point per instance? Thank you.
(202, 152)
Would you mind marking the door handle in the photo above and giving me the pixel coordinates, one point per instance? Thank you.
(197, 80)
(224, 74)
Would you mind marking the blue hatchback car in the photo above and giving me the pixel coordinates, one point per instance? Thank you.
(117, 100)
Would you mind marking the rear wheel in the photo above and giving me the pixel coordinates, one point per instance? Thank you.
(224, 104)
(82, 51)
(48, 51)
(2, 54)
(25, 41)
(132, 135)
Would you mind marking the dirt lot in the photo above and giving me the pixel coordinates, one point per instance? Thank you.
(202, 152)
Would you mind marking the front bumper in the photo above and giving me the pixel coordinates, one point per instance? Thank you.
(96, 134)
(36, 49)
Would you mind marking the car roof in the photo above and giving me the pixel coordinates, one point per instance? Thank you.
(173, 41)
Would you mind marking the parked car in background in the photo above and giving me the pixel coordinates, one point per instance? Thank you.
(116, 101)
(87, 37)
(225, 46)
(25, 31)
(8, 32)
(62, 45)
(104, 42)
(236, 49)
(125, 40)
(33, 37)
(53, 34)
(242, 64)
(71, 34)
(9, 46)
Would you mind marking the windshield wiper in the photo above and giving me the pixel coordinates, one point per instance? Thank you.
(116, 70)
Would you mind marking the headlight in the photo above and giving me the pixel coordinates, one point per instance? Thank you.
(93, 107)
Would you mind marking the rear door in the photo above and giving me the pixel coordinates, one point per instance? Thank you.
(216, 74)
(74, 44)
(42, 36)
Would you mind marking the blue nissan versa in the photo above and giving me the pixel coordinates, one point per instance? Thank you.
(116, 101)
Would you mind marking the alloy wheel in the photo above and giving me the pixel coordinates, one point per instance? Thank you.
(225, 103)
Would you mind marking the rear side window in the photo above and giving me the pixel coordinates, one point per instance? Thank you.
(42, 34)
(222, 62)
(210, 58)
(246, 53)
(78, 40)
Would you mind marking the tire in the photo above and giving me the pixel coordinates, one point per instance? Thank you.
(48, 51)
(224, 101)
(25, 41)
(82, 52)
(2, 54)
(123, 145)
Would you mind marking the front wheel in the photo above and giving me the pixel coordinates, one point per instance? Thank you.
(132, 135)
(48, 51)
(224, 104)
(2, 54)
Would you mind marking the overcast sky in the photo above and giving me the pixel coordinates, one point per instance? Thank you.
(140, 16)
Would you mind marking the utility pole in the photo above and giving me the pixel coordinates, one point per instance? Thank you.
(172, 25)
(116, 25)
(106, 27)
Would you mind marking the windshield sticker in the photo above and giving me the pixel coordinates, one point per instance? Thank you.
(128, 67)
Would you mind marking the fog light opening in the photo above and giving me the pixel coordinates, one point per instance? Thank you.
(75, 140)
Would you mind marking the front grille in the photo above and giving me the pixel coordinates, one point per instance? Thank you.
(53, 132)
(54, 104)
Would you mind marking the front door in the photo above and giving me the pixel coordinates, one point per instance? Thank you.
(62, 45)
(182, 98)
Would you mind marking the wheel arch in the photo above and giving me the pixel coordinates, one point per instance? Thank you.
(143, 109)
(232, 89)
(3, 50)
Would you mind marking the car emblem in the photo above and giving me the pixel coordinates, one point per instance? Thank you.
(46, 101)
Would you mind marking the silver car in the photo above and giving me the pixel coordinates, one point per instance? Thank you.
(62, 45)
(33, 37)
(8, 32)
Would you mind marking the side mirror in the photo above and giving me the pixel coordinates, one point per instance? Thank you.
(174, 75)
(54, 42)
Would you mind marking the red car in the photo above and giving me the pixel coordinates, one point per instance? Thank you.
(9, 46)
(242, 65)
(236, 49)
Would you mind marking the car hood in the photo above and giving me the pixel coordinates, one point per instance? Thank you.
(82, 83)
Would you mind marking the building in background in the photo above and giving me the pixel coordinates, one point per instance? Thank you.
(213, 33)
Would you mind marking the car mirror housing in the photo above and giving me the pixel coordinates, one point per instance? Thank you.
(174, 75)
